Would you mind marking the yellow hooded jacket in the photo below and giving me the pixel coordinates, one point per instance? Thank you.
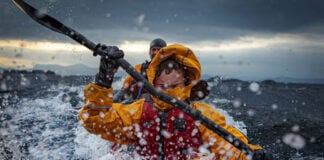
(118, 123)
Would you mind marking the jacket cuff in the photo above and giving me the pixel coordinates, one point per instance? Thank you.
(95, 95)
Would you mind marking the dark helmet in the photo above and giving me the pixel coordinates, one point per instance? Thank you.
(158, 42)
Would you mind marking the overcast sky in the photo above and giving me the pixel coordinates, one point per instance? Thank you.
(232, 38)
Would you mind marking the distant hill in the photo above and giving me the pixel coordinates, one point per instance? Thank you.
(83, 70)
(299, 80)
(276, 79)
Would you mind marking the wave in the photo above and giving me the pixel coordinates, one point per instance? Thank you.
(43, 124)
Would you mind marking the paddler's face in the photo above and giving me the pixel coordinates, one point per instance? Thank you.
(154, 50)
(169, 81)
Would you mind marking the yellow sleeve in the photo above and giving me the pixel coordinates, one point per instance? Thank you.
(218, 145)
(129, 79)
(115, 122)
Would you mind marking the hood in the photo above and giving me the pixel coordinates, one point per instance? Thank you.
(183, 55)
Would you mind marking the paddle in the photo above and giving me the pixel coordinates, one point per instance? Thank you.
(57, 26)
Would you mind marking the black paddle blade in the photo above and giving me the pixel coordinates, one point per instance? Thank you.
(52, 23)
(40, 17)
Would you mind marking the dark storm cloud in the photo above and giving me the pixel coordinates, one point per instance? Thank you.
(197, 18)
(254, 14)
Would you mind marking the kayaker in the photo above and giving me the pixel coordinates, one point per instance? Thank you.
(159, 130)
(130, 90)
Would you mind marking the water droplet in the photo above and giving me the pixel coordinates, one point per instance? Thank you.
(274, 106)
(254, 87)
(294, 140)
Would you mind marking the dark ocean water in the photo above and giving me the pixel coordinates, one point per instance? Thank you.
(38, 117)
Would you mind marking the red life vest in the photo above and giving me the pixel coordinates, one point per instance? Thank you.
(167, 134)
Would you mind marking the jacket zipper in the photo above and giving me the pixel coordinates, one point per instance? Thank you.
(161, 140)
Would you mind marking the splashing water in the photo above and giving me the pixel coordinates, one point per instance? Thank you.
(47, 127)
